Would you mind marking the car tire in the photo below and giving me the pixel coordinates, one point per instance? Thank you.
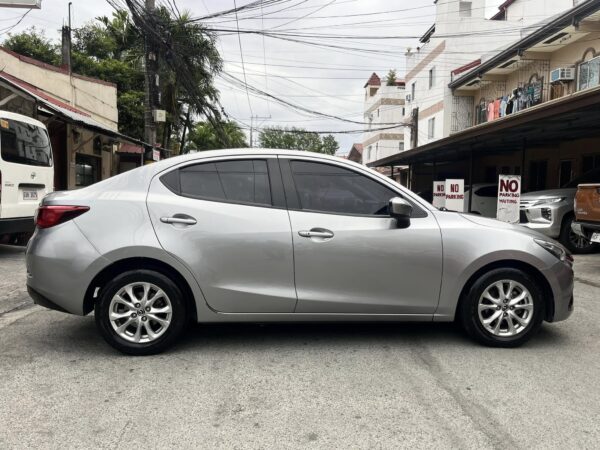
(158, 312)
(576, 244)
(477, 308)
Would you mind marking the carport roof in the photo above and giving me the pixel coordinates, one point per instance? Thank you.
(572, 117)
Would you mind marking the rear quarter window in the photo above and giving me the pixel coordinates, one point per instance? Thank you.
(24, 143)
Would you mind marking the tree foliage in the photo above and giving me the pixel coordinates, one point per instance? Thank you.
(390, 79)
(112, 49)
(204, 136)
(297, 139)
(33, 43)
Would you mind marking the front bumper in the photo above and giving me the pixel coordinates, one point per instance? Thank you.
(585, 229)
(561, 279)
(534, 218)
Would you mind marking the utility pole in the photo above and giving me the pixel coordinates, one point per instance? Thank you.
(252, 118)
(414, 128)
(150, 79)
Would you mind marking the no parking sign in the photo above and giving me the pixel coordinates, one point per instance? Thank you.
(509, 198)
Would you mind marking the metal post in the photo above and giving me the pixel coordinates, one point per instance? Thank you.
(470, 179)
(151, 62)
(523, 150)
(409, 183)
(392, 172)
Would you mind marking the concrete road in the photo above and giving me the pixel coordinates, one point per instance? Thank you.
(292, 386)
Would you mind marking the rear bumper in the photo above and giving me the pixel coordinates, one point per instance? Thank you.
(585, 229)
(61, 264)
(17, 225)
(39, 299)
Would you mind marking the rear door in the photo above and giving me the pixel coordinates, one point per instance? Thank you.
(349, 255)
(226, 220)
(26, 172)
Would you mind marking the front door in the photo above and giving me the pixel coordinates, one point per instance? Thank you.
(349, 255)
(226, 220)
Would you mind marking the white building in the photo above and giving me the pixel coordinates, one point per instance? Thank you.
(453, 45)
(383, 107)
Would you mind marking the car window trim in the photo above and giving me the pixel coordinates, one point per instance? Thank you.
(278, 203)
(294, 201)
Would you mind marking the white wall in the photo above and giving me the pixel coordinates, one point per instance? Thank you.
(378, 144)
(96, 98)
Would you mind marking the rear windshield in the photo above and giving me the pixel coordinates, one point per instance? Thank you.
(24, 143)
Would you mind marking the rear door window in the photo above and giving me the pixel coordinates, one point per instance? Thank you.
(24, 143)
(237, 181)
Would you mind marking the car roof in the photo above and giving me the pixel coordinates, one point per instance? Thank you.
(198, 156)
(21, 118)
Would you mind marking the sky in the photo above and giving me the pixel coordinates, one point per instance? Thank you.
(328, 80)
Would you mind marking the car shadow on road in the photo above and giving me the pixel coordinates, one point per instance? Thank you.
(78, 334)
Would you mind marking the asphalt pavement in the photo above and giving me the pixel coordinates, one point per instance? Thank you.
(297, 386)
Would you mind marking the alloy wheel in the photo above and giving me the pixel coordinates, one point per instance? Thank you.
(579, 242)
(505, 308)
(140, 312)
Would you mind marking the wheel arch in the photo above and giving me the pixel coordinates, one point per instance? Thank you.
(137, 263)
(513, 264)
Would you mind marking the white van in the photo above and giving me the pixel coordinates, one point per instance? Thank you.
(26, 174)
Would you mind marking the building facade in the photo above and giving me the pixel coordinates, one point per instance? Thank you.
(531, 109)
(383, 109)
(460, 38)
(80, 113)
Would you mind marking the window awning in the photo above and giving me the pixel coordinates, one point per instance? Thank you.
(572, 117)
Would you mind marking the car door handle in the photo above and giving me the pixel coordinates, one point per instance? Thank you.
(317, 233)
(187, 220)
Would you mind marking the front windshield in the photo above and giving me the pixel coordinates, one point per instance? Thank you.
(593, 176)
(24, 143)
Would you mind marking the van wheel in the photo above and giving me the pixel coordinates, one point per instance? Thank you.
(575, 243)
(503, 308)
(140, 312)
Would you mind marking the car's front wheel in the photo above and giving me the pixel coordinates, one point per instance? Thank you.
(140, 312)
(503, 308)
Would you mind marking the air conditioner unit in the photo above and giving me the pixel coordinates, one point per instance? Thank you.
(408, 98)
(562, 74)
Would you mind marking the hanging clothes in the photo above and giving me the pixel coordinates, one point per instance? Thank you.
(496, 108)
(503, 105)
(490, 111)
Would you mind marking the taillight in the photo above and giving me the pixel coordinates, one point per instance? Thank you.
(51, 215)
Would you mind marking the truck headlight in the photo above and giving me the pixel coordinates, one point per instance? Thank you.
(556, 250)
(548, 201)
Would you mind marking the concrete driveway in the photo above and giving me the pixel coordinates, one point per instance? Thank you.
(292, 386)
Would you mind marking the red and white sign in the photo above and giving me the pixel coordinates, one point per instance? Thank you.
(439, 196)
(455, 195)
(509, 198)
(156, 155)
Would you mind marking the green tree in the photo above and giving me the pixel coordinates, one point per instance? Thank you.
(390, 79)
(112, 49)
(204, 136)
(33, 43)
(297, 139)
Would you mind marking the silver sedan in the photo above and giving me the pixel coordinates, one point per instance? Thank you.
(275, 235)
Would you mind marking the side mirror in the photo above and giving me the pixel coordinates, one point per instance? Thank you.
(400, 210)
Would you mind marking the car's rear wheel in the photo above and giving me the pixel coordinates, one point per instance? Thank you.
(574, 242)
(503, 308)
(140, 312)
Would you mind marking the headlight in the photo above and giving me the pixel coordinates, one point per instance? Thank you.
(556, 250)
(547, 201)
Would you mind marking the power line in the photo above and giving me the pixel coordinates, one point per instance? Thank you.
(242, 54)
